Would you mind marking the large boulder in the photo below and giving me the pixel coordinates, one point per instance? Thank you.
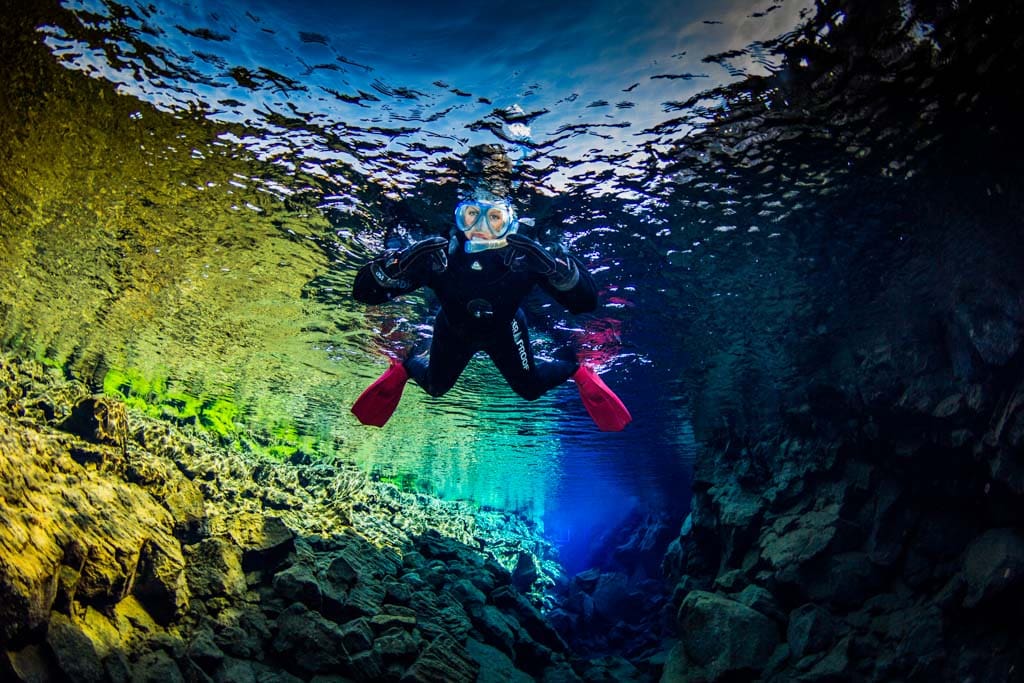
(723, 636)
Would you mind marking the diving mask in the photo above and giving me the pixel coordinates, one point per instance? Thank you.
(485, 224)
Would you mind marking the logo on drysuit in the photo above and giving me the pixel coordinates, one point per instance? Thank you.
(517, 337)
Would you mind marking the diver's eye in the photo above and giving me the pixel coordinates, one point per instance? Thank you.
(470, 214)
(495, 217)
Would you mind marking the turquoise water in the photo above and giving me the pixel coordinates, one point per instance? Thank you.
(190, 242)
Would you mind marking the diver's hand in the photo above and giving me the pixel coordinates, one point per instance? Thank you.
(555, 263)
(391, 268)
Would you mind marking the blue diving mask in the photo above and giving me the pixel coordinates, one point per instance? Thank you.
(486, 224)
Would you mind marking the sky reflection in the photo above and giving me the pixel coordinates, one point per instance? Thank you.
(403, 82)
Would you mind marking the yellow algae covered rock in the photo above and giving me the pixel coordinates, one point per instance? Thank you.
(57, 514)
(155, 554)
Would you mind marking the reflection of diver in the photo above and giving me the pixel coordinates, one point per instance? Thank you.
(481, 275)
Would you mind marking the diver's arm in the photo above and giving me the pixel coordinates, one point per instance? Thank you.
(581, 295)
(561, 274)
(398, 272)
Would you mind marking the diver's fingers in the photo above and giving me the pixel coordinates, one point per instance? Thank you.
(421, 249)
(543, 262)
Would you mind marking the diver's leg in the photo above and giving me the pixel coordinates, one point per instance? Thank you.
(449, 354)
(530, 378)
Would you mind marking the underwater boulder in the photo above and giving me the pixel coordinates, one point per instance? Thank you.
(77, 655)
(723, 636)
(298, 583)
(443, 661)
(214, 567)
(993, 565)
(811, 629)
(265, 541)
(312, 643)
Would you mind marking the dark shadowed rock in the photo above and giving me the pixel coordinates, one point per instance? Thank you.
(993, 565)
(811, 629)
(397, 644)
(443, 661)
(356, 635)
(204, 651)
(724, 637)
(758, 598)
(160, 584)
(99, 419)
(156, 667)
(242, 632)
(539, 629)
(495, 666)
(495, 628)
(298, 584)
(236, 671)
(312, 643)
(76, 653)
(466, 593)
(525, 572)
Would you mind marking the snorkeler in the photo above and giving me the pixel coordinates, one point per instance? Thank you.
(481, 275)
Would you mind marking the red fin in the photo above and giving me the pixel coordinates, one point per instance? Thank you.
(605, 408)
(378, 402)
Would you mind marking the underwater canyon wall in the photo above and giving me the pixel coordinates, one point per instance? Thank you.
(859, 514)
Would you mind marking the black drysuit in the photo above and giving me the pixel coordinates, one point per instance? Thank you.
(480, 311)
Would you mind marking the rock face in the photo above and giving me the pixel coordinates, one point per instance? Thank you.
(876, 543)
(128, 552)
(860, 482)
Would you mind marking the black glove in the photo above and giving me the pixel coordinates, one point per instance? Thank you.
(554, 263)
(391, 268)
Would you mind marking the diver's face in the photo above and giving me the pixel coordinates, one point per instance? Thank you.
(483, 221)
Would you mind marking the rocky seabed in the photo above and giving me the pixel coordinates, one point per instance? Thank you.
(130, 551)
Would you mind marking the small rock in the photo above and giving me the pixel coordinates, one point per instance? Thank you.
(298, 584)
(992, 565)
(214, 567)
(265, 541)
(443, 661)
(76, 653)
(811, 629)
(156, 667)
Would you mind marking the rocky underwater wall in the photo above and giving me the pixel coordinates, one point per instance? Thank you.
(859, 515)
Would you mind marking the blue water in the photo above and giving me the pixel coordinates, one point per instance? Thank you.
(646, 136)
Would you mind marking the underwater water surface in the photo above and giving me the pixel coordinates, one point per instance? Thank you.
(190, 187)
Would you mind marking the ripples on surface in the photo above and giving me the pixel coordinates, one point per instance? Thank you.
(715, 176)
